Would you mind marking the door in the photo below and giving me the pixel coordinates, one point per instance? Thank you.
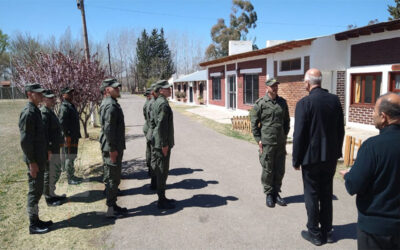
(191, 94)
(232, 92)
(395, 82)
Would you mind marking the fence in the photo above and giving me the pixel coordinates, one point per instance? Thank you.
(241, 123)
(349, 150)
(11, 93)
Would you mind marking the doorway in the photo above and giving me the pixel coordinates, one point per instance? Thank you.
(190, 94)
(232, 92)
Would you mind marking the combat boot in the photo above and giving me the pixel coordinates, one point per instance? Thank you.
(74, 180)
(110, 213)
(53, 202)
(164, 204)
(120, 210)
(270, 201)
(35, 227)
(278, 199)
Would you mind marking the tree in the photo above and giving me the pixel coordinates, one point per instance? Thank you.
(242, 18)
(373, 21)
(56, 70)
(394, 11)
(4, 56)
(153, 58)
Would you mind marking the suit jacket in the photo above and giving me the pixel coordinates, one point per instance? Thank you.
(319, 128)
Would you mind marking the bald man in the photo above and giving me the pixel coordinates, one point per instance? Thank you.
(317, 145)
(375, 178)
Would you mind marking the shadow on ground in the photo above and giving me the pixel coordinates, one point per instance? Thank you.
(133, 137)
(347, 231)
(184, 184)
(87, 196)
(183, 171)
(198, 200)
(87, 220)
(300, 198)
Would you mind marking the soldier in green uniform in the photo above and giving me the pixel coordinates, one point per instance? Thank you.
(34, 147)
(146, 125)
(270, 123)
(112, 145)
(69, 120)
(55, 140)
(163, 141)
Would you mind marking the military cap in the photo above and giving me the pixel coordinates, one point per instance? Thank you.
(48, 93)
(66, 90)
(34, 87)
(109, 82)
(163, 84)
(271, 82)
(147, 92)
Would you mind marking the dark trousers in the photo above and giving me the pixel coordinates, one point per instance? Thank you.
(367, 241)
(112, 177)
(69, 155)
(318, 188)
(160, 166)
(35, 193)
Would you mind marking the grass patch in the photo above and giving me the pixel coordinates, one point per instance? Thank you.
(80, 223)
(225, 129)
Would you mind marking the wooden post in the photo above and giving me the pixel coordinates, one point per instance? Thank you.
(347, 151)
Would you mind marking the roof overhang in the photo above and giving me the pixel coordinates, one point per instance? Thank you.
(274, 49)
(368, 30)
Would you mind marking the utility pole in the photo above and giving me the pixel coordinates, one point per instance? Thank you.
(109, 58)
(81, 6)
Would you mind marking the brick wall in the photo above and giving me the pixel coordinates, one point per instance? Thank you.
(340, 87)
(214, 70)
(292, 92)
(361, 114)
(261, 81)
(230, 67)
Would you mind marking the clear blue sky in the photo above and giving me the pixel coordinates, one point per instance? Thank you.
(277, 19)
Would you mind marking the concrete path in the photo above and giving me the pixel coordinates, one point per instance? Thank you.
(220, 204)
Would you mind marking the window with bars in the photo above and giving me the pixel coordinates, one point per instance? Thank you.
(365, 88)
(250, 88)
(216, 88)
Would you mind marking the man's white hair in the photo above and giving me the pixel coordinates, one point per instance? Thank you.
(314, 80)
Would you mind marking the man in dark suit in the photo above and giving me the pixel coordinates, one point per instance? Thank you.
(317, 145)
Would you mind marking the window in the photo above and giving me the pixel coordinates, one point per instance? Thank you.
(395, 82)
(365, 88)
(216, 88)
(250, 89)
(289, 65)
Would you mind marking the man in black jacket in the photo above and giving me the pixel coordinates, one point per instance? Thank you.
(317, 145)
(375, 178)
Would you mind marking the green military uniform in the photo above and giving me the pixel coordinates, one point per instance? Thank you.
(34, 147)
(112, 139)
(163, 135)
(69, 120)
(101, 137)
(55, 141)
(270, 124)
(146, 126)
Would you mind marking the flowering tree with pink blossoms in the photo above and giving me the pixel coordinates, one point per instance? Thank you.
(56, 70)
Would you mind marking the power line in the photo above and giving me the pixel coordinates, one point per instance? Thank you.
(209, 18)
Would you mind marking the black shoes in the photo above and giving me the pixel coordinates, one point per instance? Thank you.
(279, 200)
(120, 210)
(53, 201)
(74, 180)
(39, 227)
(166, 203)
(327, 237)
(270, 201)
(315, 240)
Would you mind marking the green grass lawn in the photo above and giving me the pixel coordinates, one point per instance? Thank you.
(80, 223)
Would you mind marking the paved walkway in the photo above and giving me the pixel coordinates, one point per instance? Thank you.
(220, 204)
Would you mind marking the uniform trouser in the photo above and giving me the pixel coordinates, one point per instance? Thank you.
(160, 165)
(34, 193)
(112, 177)
(69, 156)
(367, 241)
(272, 161)
(52, 174)
(148, 156)
(318, 189)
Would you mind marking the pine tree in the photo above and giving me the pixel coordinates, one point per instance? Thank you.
(394, 11)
